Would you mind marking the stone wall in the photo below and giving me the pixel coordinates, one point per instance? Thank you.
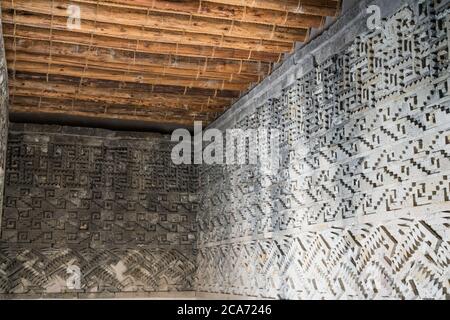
(3, 115)
(110, 203)
(360, 205)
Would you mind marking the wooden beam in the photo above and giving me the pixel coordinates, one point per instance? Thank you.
(159, 20)
(115, 96)
(95, 110)
(209, 9)
(22, 63)
(139, 46)
(326, 8)
(154, 35)
(135, 89)
(58, 53)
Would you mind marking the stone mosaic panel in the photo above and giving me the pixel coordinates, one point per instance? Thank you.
(358, 209)
(110, 203)
(360, 206)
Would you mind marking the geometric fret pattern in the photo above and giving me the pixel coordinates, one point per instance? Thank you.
(359, 207)
(111, 203)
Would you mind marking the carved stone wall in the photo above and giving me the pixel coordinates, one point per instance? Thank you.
(3, 115)
(361, 203)
(359, 207)
(110, 203)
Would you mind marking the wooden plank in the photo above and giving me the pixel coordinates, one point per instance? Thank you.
(133, 18)
(96, 110)
(22, 63)
(222, 11)
(137, 89)
(111, 96)
(122, 60)
(166, 62)
(94, 59)
(139, 46)
(153, 35)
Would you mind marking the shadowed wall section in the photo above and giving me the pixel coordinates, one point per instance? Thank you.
(3, 116)
(110, 203)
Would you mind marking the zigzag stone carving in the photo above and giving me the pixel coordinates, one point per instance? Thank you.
(109, 203)
(360, 205)
(43, 271)
(401, 259)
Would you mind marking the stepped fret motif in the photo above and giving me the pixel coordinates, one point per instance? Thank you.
(360, 205)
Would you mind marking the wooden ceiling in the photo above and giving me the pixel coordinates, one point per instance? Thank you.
(158, 61)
